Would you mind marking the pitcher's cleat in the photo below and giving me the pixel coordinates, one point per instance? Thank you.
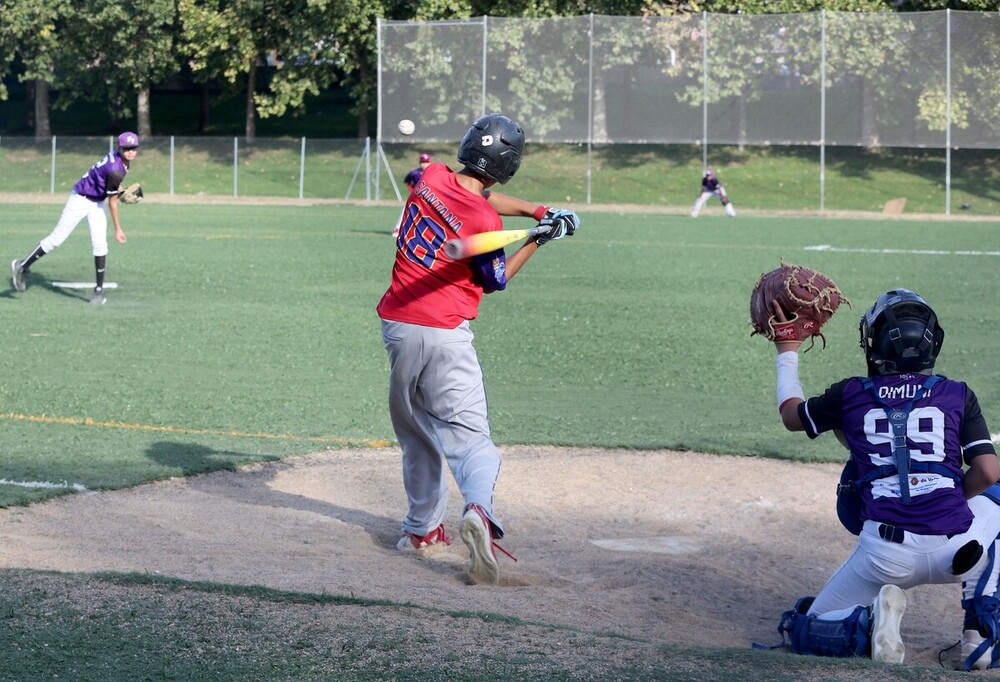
(19, 277)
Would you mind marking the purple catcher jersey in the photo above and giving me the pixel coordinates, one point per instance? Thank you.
(103, 179)
(943, 426)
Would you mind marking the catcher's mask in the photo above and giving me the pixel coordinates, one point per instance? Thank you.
(492, 147)
(900, 333)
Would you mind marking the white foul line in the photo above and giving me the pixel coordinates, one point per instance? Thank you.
(45, 484)
(918, 252)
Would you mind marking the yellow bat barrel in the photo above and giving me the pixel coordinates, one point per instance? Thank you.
(485, 242)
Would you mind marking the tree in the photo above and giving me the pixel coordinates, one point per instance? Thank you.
(231, 40)
(31, 30)
(323, 43)
(218, 39)
(115, 52)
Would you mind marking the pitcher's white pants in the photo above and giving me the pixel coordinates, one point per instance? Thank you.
(77, 208)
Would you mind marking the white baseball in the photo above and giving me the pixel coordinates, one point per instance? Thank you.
(406, 127)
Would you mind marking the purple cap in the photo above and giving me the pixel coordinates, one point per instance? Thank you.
(128, 140)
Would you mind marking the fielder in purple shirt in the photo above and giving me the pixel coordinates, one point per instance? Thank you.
(919, 489)
(99, 186)
(413, 177)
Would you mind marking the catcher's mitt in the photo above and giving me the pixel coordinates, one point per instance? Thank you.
(131, 194)
(807, 298)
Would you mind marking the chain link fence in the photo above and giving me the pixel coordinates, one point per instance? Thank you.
(915, 80)
(604, 93)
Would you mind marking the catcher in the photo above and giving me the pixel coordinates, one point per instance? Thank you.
(98, 187)
(919, 519)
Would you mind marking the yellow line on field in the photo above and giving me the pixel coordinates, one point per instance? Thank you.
(87, 421)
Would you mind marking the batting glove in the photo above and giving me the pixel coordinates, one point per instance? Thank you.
(561, 223)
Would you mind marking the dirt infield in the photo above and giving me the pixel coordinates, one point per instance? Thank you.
(665, 547)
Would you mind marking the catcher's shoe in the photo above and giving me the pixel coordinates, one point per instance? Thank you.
(887, 614)
(477, 534)
(19, 277)
(971, 639)
(418, 543)
(98, 298)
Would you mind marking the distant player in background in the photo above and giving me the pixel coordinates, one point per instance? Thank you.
(919, 489)
(411, 180)
(413, 177)
(437, 399)
(99, 186)
(711, 187)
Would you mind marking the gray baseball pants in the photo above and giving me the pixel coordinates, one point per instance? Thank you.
(437, 403)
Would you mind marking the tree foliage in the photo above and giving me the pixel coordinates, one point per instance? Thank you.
(31, 31)
(109, 52)
(112, 50)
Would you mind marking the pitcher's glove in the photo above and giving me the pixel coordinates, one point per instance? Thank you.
(131, 194)
(561, 223)
(807, 298)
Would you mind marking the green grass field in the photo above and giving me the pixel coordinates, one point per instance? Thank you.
(242, 333)
(251, 330)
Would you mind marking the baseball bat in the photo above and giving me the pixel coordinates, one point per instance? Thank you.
(485, 242)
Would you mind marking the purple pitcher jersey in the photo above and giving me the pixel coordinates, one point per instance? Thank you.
(944, 425)
(103, 179)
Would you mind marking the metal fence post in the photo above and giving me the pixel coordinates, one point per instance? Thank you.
(368, 168)
(822, 112)
(704, 90)
(236, 156)
(947, 125)
(171, 164)
(302, 167)
(590, 105)
(52, 173)
(482, 111)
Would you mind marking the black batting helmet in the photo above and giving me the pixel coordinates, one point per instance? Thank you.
(900, 333)
(492, 147)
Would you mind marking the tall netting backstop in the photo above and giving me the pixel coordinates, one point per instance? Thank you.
(924, 80)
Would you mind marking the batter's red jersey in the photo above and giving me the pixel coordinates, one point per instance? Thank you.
(429, 288)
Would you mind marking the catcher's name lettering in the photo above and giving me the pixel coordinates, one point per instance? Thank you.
(906, 391)
(432, 200)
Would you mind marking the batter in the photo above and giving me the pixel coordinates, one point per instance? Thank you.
(437, 399)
